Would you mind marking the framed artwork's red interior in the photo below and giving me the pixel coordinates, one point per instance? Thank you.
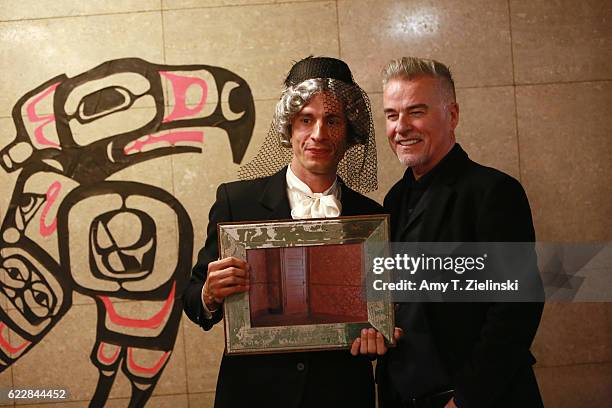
(302, 285)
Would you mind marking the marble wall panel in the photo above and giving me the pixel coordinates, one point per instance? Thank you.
(259, 43)
(564, 138)
(35, 51)
(584, 385)
(203, 400)
(35, 9)
(183, 4)
(6, 382)
(487, 127)
(204, 351)
(560, 41)
(574, 333)
(472, 37)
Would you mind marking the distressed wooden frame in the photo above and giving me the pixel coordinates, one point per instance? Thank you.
(236, 238)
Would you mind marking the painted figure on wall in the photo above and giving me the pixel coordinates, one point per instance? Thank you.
(79, 221)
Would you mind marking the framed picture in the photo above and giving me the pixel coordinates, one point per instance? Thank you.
(308, 284)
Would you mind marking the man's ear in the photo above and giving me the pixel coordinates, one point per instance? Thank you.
(453, 110)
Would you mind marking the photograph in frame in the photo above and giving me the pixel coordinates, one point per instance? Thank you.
(307, 284)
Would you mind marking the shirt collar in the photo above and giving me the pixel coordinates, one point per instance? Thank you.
(293, 182)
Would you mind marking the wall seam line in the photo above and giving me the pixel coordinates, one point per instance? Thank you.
(516, 119)
(338, 31)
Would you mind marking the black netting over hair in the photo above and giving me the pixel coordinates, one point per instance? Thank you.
(319, 67)
(358, 167)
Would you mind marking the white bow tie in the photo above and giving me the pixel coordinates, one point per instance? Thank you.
(315, 205)
(306, 204)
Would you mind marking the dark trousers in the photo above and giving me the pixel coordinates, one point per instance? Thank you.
(389, 398)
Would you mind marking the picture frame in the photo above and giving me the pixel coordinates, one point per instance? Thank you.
(307, 284)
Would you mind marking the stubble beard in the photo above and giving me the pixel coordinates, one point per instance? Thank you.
(412, 160)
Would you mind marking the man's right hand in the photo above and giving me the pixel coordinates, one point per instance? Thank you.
(225, 277)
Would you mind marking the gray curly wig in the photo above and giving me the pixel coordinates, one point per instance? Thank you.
(294, 98)
(307, 77)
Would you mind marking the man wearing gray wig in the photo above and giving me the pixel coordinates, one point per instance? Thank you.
(322, 126)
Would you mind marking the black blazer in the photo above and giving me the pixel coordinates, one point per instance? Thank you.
(309, 379)
(484, 346)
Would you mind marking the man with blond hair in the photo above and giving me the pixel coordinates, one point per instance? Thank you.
(452, 354)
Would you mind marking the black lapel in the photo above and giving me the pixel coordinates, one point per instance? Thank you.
(347, 199)
(274, 196)
(392, 205)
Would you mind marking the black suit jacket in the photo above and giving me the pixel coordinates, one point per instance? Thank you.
(483, 346)
(310, 379)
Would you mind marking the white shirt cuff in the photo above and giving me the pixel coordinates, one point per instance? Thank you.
(207, 312)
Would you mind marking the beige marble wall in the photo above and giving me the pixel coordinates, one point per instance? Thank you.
(535, 90)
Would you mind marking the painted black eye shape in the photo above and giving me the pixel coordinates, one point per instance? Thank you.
(16, 273)
(104, 102)
(29, 204)
(41, 295)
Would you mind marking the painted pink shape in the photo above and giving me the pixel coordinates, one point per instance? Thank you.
(4, 344)
(151, 323)
(103, 358)
(147, 370)
(180, 84)
(52, 193)
(47, 119)
(172, 137)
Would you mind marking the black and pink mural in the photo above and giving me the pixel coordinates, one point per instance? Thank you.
(78, 223)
